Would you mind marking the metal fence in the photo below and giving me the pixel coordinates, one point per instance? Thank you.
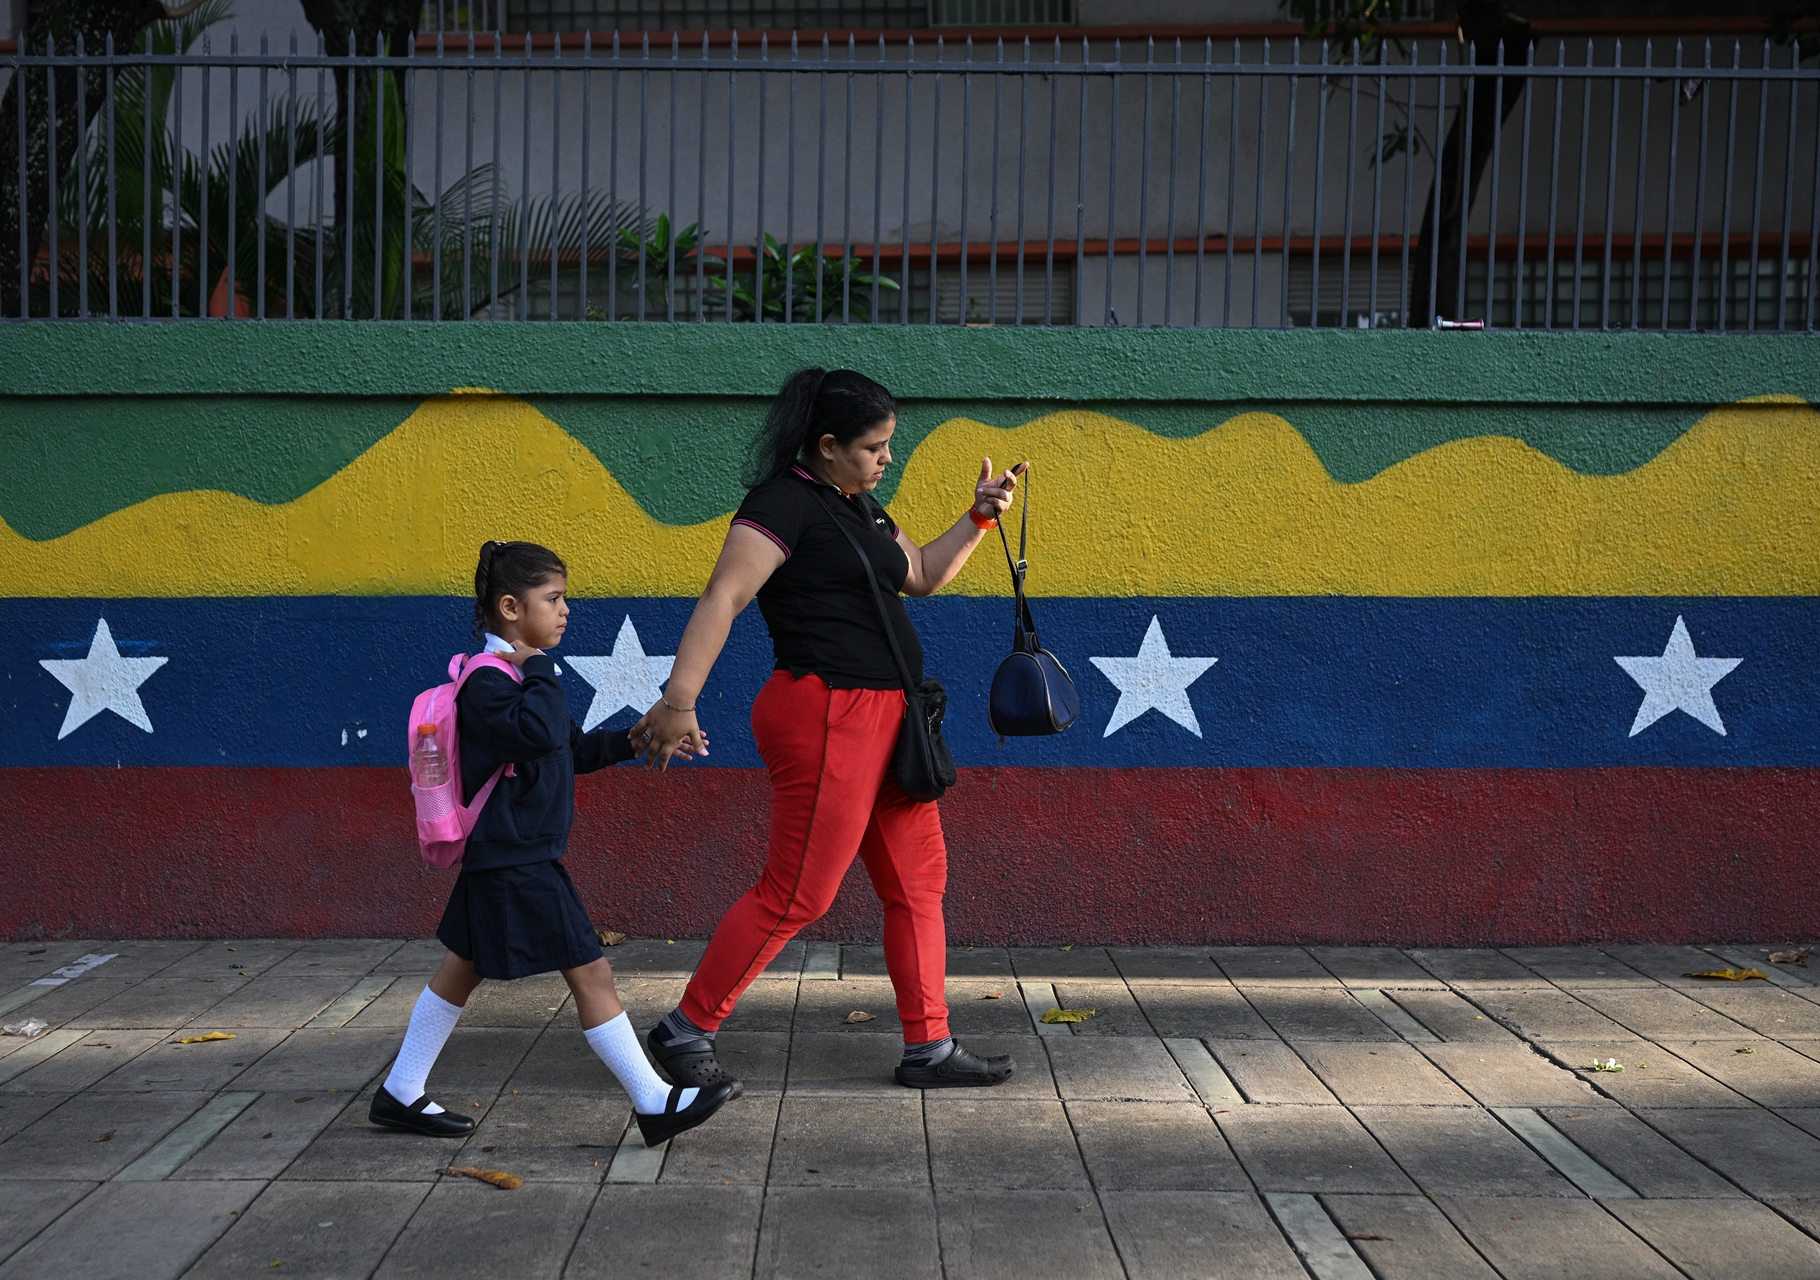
(1256, 183)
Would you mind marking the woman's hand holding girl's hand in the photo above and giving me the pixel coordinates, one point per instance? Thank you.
(665, 732)
(992, 497)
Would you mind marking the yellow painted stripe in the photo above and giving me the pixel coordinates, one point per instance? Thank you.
(1731, 508)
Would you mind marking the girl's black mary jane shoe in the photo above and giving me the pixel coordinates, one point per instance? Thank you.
(390, 1113)
(666, 1124)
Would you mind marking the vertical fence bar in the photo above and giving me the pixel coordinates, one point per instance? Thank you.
(1491, 219)
(878, 184)
(113, 201)
(1725, 207)
(1055, 111)
(1377, 188)
(1754, 287)
(1788, 196)
(317, 184)
(525, 204)
(1520, 288)
(1440, 150)
(262, 192)
(1257, 213)
(1611, 187)
(821, 178)
(1352, 150)
(1112, 179)
(467, 229)
(1668, 200)
(54, 236)
(1405, 290)
(1023, 176)
(1580, 189)
(494, 230)
(345, 215)
(1637, 211)
(966, 168)
(1320, 183)
(379, 183)
(903, 262)
(935, 182)
(1295, 92)
(82, 192)
(701, 184)
(555, 173)
(1469, 101)
(1143, 230)
(25, 248)
(847, 255)
(1080, 187)
(1813, 228)
(758, 265)
(1175, 127)
(587, 194)
(998, 81)
(674, 205)
(644, 147)
(147, 214)
(1232, 173)
(1700, 191)
(1554, 187)
(1200, 205)
(231, 261)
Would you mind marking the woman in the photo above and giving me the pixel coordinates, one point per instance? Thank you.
(827, 719)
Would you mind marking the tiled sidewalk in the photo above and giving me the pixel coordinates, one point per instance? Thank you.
(1228, 1112)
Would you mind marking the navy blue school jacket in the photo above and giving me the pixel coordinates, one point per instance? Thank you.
(528, 817)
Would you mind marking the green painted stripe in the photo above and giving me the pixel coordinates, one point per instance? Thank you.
(920, 362)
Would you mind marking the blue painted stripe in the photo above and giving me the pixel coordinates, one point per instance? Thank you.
(1313, 681)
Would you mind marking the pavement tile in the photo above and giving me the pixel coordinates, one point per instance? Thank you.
(98, 1054)
(476, 1060)
(29, 1207)
(1298, 1012)
(734, 1147)
(170, 1066)
(1384, 967)
(1209, 1010)
(417, 955)
(344, 1059)
(1807, 1118)
(1763, 1153)
(1474, 969)
(1051, 964)
(647, 1000)
(1545, 1013)
(133, 1231)
(1669, 965)
(560, 1061)
(1003, 1143)
(1805, 1213)
(1154, 1146)
(1656, 1012)
(1198, 1235)
(855, 1141)
(827, 1062)
(1656, 1167)
(787, 963)
(972, 1010)
(249, 956)
(1462, 1151)
(352, 1148)
(1538, 1239)
(1106, 1067)
(1166, 964)
(861, 960)
(634, 1231)
(762, 1059)
(657, 957)
(769, 1004)
(325, 957)
(161, 1002)
(19, 965)
(1722, 1239)
(1770, 1074)
(1271, 966)
(1512, 1075)
(1652, 1076)
(317, 1230)
(525, 1003)
(69, 1143)
(1453, 1018)
(1380, 1073)
(1575, 967)
(1406, 1237)
(262, 1140)
(1269, 1071)
(1315, 1150)
(1767, 1010)
(1118, 1014)
(18, 1110)
(993, 1235)
(887, 1233)
(1032, 1076)
(980, 962)
(822, 1008)
(550, 1137)
(392, 1008)
(465, 1227)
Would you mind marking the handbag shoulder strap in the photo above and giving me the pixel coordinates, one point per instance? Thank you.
(903, 668)
(1020, 566)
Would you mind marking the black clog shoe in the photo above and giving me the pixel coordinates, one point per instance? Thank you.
(664, 1125)
(388, 1112)
(691, 1063)
(959, 1070)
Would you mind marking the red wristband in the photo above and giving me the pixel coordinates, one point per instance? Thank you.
(984, 522)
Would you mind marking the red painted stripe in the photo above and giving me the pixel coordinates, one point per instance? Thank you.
(1437, 857)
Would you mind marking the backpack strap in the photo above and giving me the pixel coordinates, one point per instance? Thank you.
(461, 666)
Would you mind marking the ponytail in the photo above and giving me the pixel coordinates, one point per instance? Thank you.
(814, 403)
(510, 569)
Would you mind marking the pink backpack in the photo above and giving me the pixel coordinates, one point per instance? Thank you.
(443, 822)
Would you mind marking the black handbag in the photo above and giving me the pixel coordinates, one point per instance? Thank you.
(921, 762)
(1032, 693)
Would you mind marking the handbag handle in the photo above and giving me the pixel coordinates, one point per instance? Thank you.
(903, 668)
(1020, 566)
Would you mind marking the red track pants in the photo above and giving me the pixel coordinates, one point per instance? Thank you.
(829, 754)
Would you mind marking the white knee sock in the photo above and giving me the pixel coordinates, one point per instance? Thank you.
(432, 1018)
(617, 1045)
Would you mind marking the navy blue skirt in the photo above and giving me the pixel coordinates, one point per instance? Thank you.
(512, 922)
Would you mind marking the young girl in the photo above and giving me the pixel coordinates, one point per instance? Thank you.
(514, 911)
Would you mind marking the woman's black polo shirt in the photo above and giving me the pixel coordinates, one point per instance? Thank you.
(818, 605)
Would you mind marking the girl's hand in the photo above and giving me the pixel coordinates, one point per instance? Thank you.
(992, 497)
(636, 736)
(520, 651)
(665, 733)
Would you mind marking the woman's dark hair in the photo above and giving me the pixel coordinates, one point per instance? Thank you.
(815, 403)
(510, 569)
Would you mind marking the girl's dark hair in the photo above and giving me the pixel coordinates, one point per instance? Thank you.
(510, 569)
(815, 403)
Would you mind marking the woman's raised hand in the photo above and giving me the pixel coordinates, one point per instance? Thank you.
(992, 496)
(666, 732)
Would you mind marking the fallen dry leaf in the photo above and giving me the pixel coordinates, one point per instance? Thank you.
(1368, 1237)
(993, 995)
(1745, 1049)
(610, 937)
(207, 1037)
(860, 1015)
(106, 1137)
(1069, 1015)
(1791, 957)
(1731, 975)
(492, 1177)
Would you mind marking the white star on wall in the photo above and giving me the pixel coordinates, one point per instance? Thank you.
(1678, 681)
(625, 678)
(1153, 679)
(103, 681)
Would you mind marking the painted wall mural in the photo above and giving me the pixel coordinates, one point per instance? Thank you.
(1393, 673)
